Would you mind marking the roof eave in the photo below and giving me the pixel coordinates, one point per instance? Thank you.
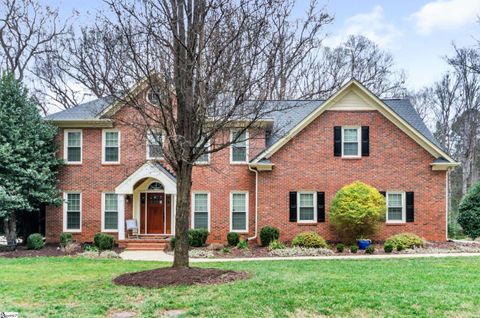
(439, 166)
(81, 123)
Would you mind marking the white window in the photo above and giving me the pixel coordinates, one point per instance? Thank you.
(154, 145)
(72, 212)
(111, 146)
(204, 158)
(239, 146)
(307, 207)
(201, 210)
(239, 212)
(72, 151)
(110, 212)
(395, 207)
(351, 142)
(154, 95)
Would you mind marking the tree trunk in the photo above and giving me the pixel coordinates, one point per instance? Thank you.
(184, 185)
(10, 228)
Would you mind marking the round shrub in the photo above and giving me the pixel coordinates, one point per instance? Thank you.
(357, 210)
(233, 238)
(309, 239)
(103, 241)
(400, 247)
(407, 240)
(276, 245)
(340, 247)
(35, 241)
(173, 239)
(388, 247)
(197, 237)
(268, 234)
(370, 249)
(353, 249)
(469, 212)
(65, 239)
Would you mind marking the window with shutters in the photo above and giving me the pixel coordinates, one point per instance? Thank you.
(395, 207)
(110, 212)
(111, 146)
(72, 212)
(239, 212)
(73, 146)
(351, 142)
(239, 146)
(154, 145)
(307, 207)
(201, 210)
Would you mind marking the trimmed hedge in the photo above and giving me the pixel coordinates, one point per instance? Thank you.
(65, 239)
(104, 241)
(233, 238)
(197, 237)
(268, 234)
(309, 239)
(35, 241)
(404, 240)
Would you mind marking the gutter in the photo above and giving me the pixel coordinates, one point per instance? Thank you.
(256, 204)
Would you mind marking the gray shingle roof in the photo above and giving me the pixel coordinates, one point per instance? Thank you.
(85, 111)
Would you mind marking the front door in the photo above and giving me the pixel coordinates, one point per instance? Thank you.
(155, 213)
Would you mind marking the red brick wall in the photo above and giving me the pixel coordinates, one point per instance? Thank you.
(396, 162)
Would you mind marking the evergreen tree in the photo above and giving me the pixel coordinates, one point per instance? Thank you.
(28, 165)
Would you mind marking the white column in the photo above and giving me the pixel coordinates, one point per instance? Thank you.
(174, 212)
(121, 216)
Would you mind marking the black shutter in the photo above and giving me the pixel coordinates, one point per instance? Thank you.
(320, 206)
(293, 207)
(365, 141)
(383, 193)
(337, 141)
(409, 207)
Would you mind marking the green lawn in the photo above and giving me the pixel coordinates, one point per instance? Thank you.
(71, 287)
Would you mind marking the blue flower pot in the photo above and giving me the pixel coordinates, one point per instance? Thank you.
(363, 244)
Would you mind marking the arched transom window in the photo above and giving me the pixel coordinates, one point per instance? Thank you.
(155, 186)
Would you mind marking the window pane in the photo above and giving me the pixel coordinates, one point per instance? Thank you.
(111, 220)
(203, 158)
(394, 200)
(111, 139)
(239, 221)
(155, 151)
(111, 154)
(111, 202)
(73, 154)
(307, 214)
(395, 214)
(238, 202)
(200, 220)
(73, 202)
(73, 139)
(306, 199)
(350, 149)
(241, 139)
(350, 135)
(239, 154)
(201, 202)
(73, 220)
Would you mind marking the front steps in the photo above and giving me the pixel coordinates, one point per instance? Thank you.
(146, 243)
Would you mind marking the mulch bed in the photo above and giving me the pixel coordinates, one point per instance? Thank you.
(22, 251)
(169, 276)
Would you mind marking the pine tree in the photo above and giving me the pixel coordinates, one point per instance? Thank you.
(28, 165)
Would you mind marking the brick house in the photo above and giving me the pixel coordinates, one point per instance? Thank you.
(283, 173)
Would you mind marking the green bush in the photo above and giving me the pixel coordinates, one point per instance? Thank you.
(103, 241)
(407, 240)
(233, 238)
(469, 212)
(354, 249)
(35, 241)
(173, 239)
(309, 239)
(268, 234)
(243, 244)
(340, 247)
(276, 245)
(388, 247)
(400, 247)
(357, 210)
(197, 237)
(65, 238)
(370, 249)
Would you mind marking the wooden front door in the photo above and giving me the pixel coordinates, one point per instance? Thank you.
(155, 213)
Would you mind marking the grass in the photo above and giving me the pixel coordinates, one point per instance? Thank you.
(74, 287)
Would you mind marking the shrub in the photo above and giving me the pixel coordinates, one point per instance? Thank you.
(197, 237)
(173, 239)
(354, 249)
(70, 248)
(357, 210)
(268, 234)
(309, 239)
(103, 241)
(469, 212)
(276, 245)
(225, 250)
(243, 244)
(65, 238)
(407, 240)
(388, 247)
(340, 247)
(35, 241)
(233, 238)
(370, 249)
(90, 248)
(400, 247)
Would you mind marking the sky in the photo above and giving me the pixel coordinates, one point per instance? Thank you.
(418, 33)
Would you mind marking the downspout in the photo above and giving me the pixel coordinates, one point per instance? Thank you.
(447, 204)
(256, 203)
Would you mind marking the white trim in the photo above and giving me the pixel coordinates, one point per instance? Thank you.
(104, 132)
(147, 98)
(359, 141)
(65, 146)
(121, 216)
(65, 208)
(246, 212)
(148, 136)
(103, 213)
(315, 212)
(232, 132)
(147, 170)
(193, 208)
(404, 210)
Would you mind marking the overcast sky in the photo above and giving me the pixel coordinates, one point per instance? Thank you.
(418, 33)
